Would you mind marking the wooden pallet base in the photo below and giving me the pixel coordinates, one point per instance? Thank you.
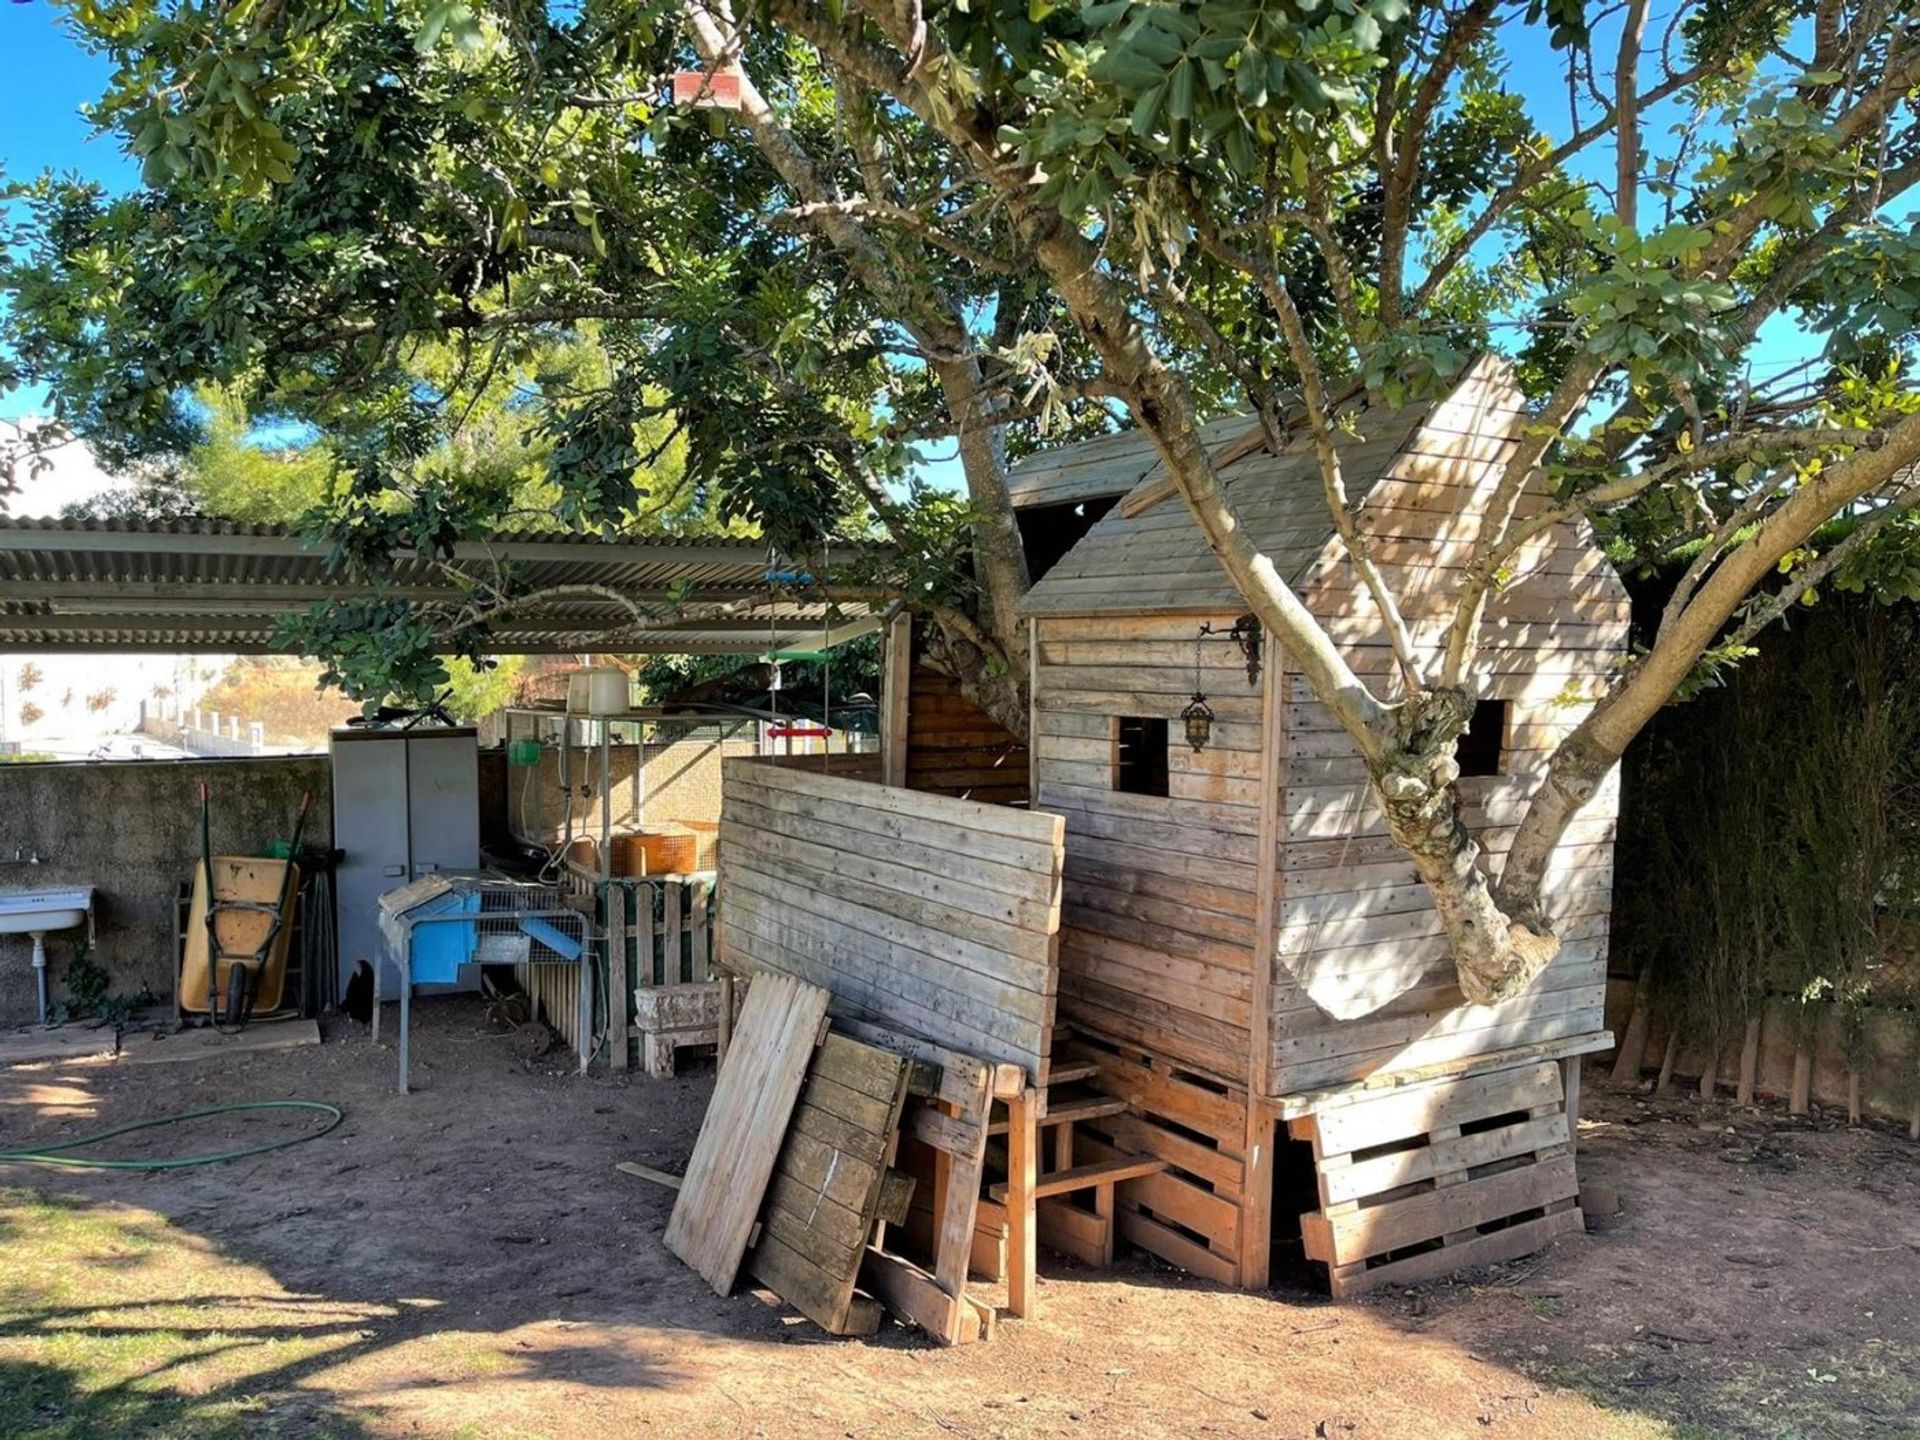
(1428, 1179)
(833, 1184)
(1190, 1212)
(1462, 1252)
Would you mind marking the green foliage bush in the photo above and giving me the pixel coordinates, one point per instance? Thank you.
(1770, 829)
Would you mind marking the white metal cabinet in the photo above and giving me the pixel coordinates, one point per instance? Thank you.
(405, 803)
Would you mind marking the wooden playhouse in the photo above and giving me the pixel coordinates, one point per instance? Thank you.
(1242, 947)
(1217, 999)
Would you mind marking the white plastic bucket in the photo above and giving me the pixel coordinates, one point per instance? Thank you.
(597, 690)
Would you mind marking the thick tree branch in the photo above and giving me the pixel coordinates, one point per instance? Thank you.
(1536, 437)
(1811, 577)
(1533, 172)
(1626, 105)
(908, 219)
(1618, 491)
(1597, 743)
(931, 317)
(1320, 423)
(1158, 397)
(1401, 182)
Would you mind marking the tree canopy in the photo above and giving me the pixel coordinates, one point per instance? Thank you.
(995, 226)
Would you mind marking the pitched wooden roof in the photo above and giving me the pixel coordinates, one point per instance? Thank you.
(1148, 556)
(1107, 466)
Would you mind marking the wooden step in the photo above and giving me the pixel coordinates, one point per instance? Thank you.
(1071, 1072)
(1086, 1177)
(1065, 1112)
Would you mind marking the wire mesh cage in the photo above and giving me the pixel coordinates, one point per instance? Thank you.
(441, 922)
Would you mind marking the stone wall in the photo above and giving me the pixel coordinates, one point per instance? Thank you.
(131, 829)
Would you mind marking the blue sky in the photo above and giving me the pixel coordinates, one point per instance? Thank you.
(45, 77)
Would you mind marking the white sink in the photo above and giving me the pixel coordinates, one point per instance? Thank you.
(37, 911)
(34, 913)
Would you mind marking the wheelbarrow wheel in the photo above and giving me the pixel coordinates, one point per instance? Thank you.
(236, 993)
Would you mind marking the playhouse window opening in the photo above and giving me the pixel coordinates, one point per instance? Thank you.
(1048, 532)
(1482, 749)
(1140, 754)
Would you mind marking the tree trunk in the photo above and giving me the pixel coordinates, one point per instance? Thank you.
(1499, 941)
(1668, 1056)
(999, 558)
(1710, 1073)
(997, 688)
(1495, 957)
(1853, 1095)
(1913, 1122)
(1800, 1098)
(938, 325)
(1749, 1061)
(1632, 1057)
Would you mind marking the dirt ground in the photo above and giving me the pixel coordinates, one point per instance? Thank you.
(465, 1262)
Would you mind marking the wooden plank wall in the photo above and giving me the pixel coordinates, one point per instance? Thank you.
(1159, 915)
(1362, 982)
(865, 765)
(955, 748)
(923, 913)
(1157, 925)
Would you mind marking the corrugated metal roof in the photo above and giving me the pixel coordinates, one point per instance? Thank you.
(217, 586)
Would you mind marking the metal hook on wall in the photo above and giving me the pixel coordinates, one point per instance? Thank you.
(1246, 632)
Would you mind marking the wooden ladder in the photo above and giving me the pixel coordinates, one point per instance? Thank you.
(1063, 1224)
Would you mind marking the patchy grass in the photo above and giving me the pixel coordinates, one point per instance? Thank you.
(115, 1323)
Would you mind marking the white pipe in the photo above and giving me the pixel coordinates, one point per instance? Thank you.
(40, 970)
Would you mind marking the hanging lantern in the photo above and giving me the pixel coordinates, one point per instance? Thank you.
(1198, 718)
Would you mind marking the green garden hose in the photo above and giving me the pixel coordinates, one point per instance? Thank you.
(52, 1154)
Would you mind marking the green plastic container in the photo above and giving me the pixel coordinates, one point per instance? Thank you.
(524, 751)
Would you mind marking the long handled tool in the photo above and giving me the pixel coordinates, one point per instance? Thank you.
(245, 970)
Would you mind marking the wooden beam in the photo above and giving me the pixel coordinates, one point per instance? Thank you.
(1256, 1203)
(1023, 1145)
(286, 545)
(1087, 1177)
(915, 1297)
(896, 686)
(1159, 487)
(647, 1172)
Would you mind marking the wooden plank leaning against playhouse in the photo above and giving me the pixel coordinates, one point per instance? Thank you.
(931, 921)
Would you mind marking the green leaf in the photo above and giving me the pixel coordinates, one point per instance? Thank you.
(1180, 92)
(1146, 110)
